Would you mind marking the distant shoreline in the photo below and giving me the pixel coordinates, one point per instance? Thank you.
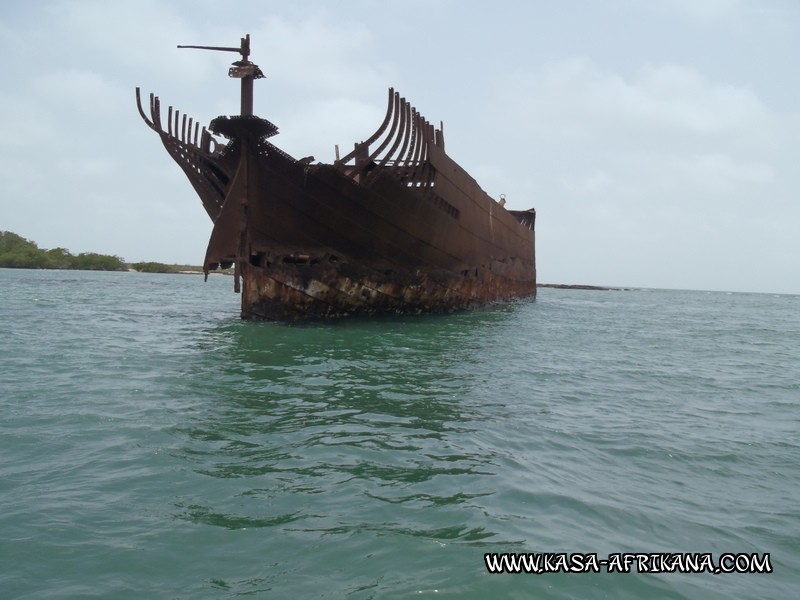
(564, 286)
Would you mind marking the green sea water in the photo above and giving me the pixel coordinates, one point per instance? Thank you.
(155, 446)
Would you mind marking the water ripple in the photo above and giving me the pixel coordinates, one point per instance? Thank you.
(155, 444)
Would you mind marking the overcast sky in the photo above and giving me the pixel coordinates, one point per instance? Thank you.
(658, 140)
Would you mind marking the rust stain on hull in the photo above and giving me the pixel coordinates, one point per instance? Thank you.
(394, 227)
(294, 293)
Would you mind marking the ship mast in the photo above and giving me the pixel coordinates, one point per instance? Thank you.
(241, 69)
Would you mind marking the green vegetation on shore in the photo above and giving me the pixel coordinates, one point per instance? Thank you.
(152, 267)
(18, 253)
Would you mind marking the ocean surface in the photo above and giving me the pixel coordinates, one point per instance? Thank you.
(155, 446)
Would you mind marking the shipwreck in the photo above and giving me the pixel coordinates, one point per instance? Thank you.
(393, 227)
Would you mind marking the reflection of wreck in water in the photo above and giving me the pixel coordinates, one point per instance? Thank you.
(393, 227)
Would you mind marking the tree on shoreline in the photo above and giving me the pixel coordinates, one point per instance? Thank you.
(18, 253)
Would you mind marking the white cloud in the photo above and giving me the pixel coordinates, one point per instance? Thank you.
(85, 167)
(646, 173)
(719, 173)
(78, 92)
(319, 56)
(701, 10)
(666, 128)
(574, 97)
(595, 182)
(310, 129)
(139, 34)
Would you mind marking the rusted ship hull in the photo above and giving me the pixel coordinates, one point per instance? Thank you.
(395, 227)
(316, 244)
